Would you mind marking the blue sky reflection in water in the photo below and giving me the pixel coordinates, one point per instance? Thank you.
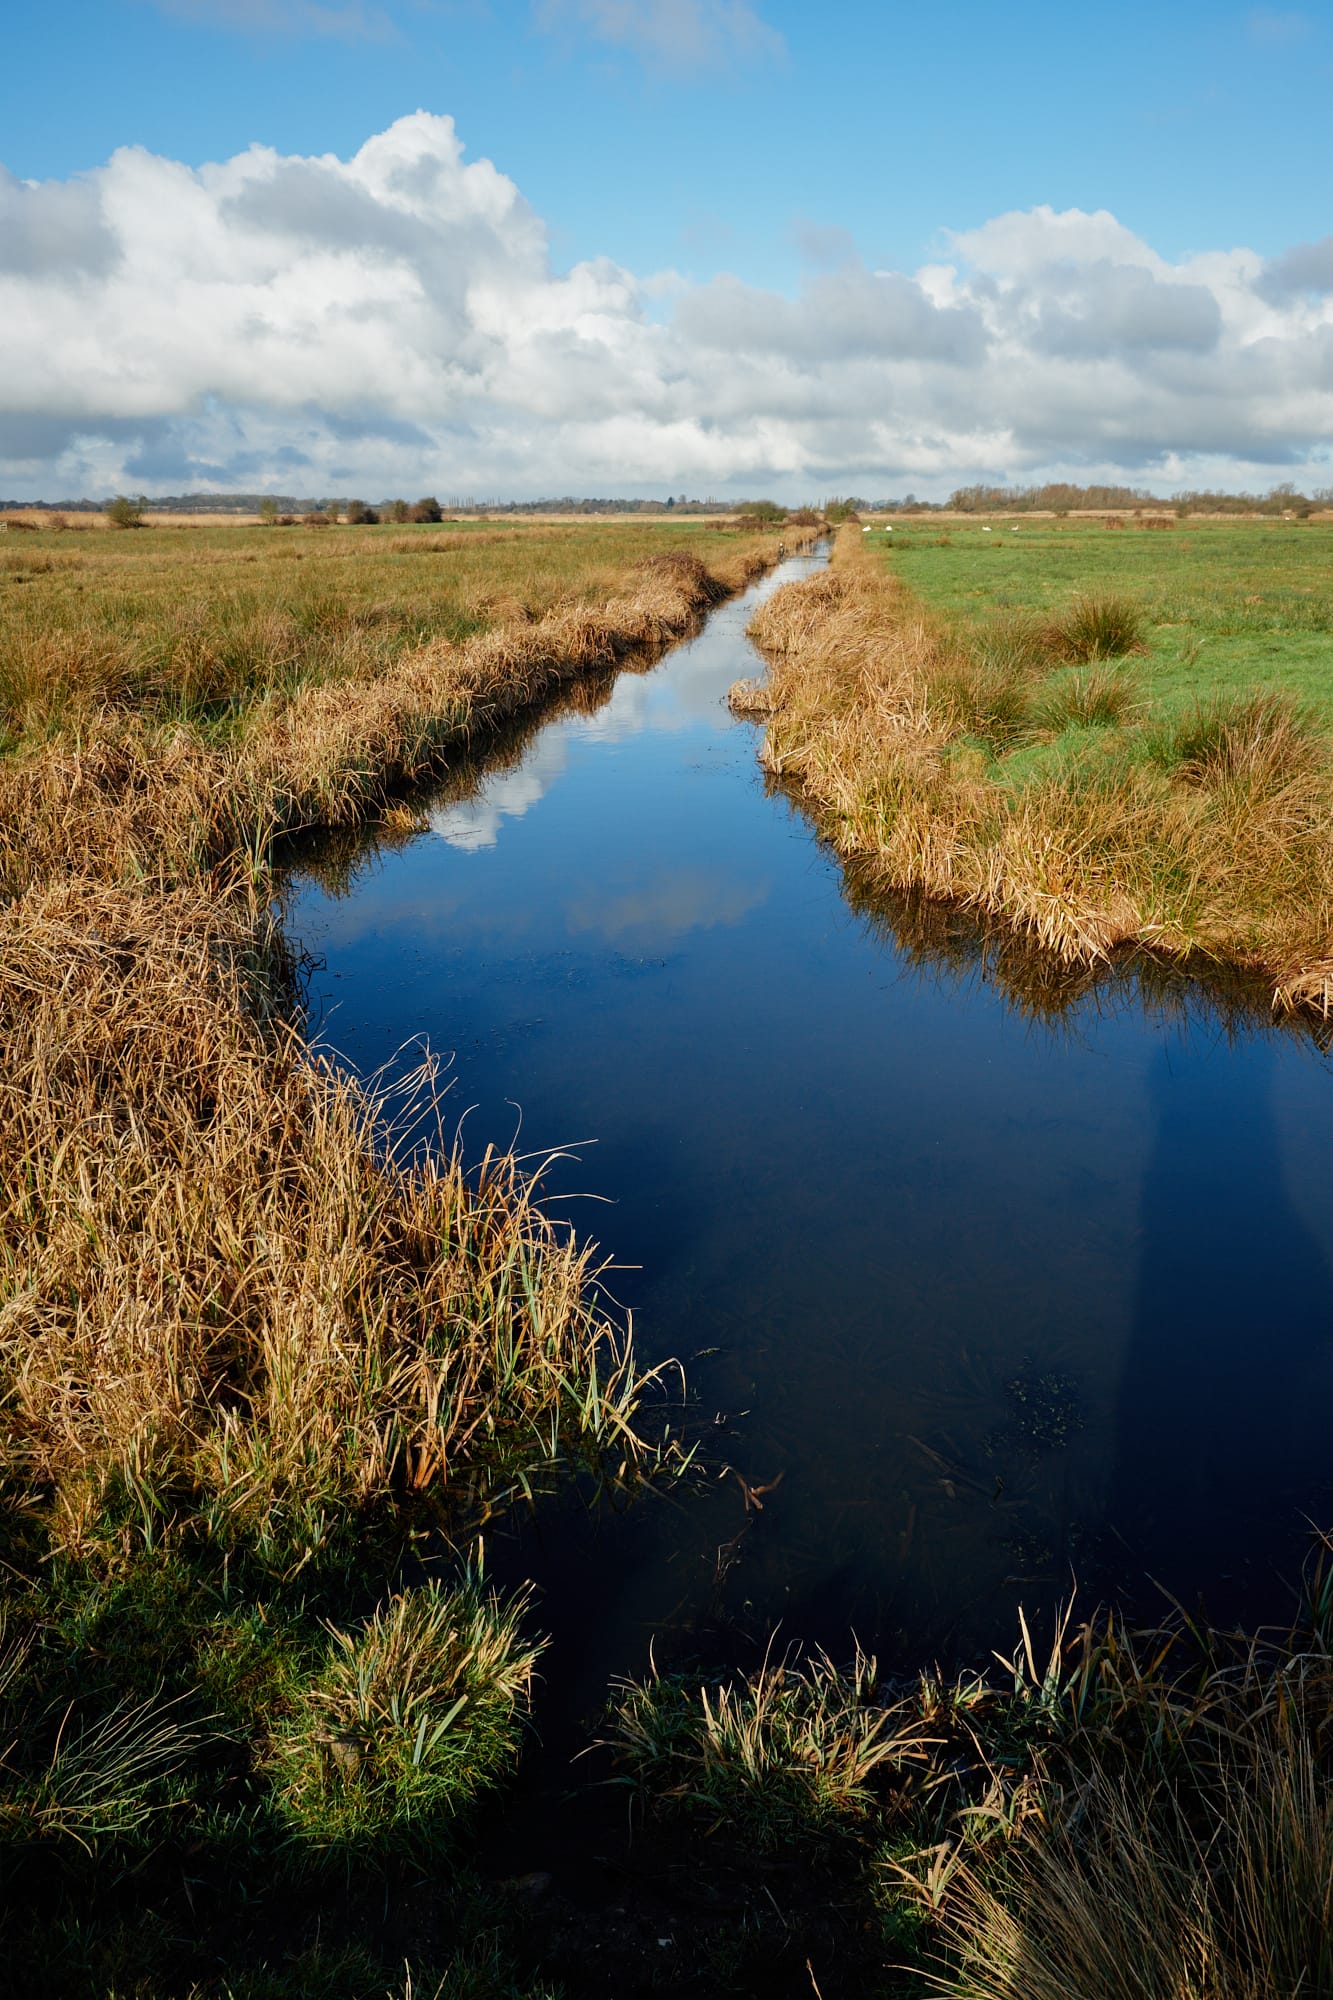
(997, 1300)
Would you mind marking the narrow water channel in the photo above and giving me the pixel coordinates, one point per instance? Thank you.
(975, 1297)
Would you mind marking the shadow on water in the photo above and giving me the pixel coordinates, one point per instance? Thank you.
(1224, 1395)
(985, 1273)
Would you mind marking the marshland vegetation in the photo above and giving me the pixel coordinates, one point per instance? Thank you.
(1109, 1813)
(1104, 740)
(269, 1356)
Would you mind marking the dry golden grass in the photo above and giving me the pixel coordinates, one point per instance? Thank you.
(205, 626)
(1166, 1831)
(1137, 1891)
(233, 1303)
(1114, 1813)
(227, 1298)
(1222, 844)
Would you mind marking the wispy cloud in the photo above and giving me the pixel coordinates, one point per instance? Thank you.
(1279, 30)
(823, 244)
(683, 34)
(345, 20)
(676, 901)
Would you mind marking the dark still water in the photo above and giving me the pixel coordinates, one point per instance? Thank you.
(985, 1286)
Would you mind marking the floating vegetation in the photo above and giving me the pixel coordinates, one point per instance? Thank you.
(1044, 1414)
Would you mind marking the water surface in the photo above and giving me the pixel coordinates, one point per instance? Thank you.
(985, 1290)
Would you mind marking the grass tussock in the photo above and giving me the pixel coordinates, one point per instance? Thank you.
(1013, 645)
(1260, 742)
(794, 1753)
(1222, 1891)
(78, 1778)
(972, 694)
(406, 1722)
(1097, 628)
(1102, 697)
(961, 767)
(1172, 1836)
(748, 698)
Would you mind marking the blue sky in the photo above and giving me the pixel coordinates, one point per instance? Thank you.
(762, 144)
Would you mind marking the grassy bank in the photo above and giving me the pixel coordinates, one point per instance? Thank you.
(1109, 1814)
(268, 1355)
(203, 625)
(1101, 738)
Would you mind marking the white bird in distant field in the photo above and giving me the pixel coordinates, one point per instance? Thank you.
(985, 531)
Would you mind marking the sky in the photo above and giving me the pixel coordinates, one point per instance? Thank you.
(514, 248)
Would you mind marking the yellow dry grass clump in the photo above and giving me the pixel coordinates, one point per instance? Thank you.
(234, 1298)
(1221, 845)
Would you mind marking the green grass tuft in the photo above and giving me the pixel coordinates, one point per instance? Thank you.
(1101, 696)
(406, 1723)
(790, 1755)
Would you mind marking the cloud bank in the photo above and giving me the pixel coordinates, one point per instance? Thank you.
(392, 323)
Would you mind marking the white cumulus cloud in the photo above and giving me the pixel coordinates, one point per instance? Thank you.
(393, 323)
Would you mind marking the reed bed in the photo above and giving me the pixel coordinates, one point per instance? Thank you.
(1014, 769)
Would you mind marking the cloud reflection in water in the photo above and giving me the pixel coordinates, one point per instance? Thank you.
(676, 901)
(474, 823)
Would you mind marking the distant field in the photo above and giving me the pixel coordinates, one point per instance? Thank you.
(200, 625)
(1230, 606)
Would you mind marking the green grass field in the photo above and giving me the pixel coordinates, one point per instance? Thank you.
(1231, 607)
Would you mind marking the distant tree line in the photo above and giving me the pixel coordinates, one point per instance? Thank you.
(342, 506)
(1061, 497)
(1056, 497)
